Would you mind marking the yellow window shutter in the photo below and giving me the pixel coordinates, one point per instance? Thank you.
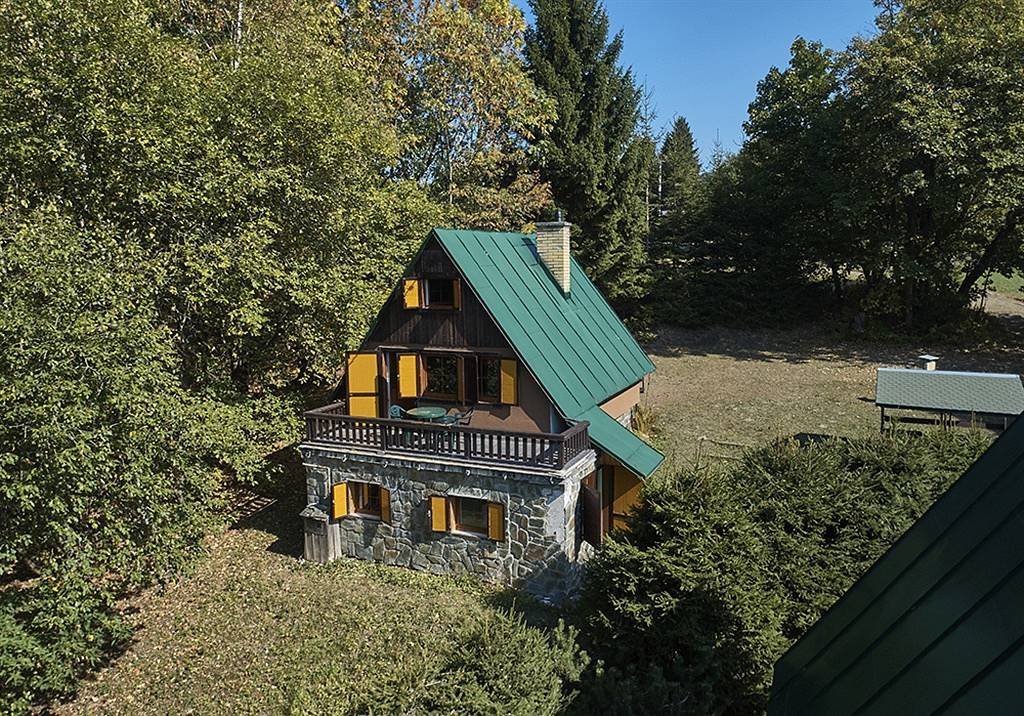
(438, 513)
(460, 379)
(509, 394)
(408, 375)
(385, 505)
(411, 293)
(457, 293)
(495, 521)
(340, 500)
(362, 384)
(362, 373)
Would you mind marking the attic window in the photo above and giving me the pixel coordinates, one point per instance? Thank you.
(441, 293)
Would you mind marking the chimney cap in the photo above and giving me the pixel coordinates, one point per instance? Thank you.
(927, 357)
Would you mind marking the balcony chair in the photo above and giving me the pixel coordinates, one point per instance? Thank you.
(457, 418)
(397, 412)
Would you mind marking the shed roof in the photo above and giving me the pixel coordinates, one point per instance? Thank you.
(575, 346)
(953, 391)
(935, 625)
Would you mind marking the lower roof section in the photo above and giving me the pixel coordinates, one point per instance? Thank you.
(621, 443)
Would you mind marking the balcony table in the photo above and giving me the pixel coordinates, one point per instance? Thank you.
(428, 413)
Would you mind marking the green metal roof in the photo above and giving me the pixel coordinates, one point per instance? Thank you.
(936, 624)
(621, 442)
(947, 390)
(575, 346)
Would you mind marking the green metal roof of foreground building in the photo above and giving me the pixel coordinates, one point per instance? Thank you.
(575, 346)
(950, 391)
(937, 624)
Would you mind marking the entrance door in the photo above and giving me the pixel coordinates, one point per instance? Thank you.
(363, 374)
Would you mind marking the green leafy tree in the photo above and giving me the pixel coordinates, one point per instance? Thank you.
(937, 108)
(793, 174)
(451, 74)
(193, 225)
(594, 155)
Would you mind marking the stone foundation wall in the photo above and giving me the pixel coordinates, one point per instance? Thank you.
(540, 549)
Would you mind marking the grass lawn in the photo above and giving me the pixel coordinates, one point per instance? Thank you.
(1008, 284)
(749, 386)
(256, 631)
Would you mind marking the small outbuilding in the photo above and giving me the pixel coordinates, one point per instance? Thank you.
(990, 400)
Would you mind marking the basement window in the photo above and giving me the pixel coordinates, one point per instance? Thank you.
(469, 515)
(365, 499)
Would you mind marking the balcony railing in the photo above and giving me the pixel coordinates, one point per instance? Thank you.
(329, 424)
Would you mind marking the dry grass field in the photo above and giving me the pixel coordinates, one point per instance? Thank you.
(748, 386)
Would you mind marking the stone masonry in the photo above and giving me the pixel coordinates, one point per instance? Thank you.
(541, 549)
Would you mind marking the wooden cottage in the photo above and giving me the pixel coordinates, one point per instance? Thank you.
(486, 422)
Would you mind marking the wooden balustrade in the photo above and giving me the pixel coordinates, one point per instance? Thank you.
(548, 450)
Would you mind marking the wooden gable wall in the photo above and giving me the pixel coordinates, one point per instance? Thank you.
(470, 327)
(467, 329)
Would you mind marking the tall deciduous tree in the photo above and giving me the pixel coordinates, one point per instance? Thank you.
(465, 106)
(594, 155)
(937, 107)
(793, 179)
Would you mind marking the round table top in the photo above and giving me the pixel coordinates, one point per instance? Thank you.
(428, 412)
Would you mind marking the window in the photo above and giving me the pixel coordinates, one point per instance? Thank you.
(489, 380)
(365, 498)
(361, 499)
(440, 293)
(442, 376)
(469, 515)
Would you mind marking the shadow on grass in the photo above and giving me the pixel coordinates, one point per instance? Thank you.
(274, 503)
(534, 612)
(1001, 350)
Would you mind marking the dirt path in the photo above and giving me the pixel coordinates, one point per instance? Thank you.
(748, 386)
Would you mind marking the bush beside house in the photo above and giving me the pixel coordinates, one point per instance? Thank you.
(687, 612)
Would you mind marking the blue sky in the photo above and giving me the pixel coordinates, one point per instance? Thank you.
(703, 59)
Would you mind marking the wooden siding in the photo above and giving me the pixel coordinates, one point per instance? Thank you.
(623, 403)
(469, 327)
(468, 330)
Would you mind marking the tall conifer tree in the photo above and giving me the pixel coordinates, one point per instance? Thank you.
(594, 155)
(679, 193)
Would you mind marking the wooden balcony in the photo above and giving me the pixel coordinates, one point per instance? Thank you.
(551, 451)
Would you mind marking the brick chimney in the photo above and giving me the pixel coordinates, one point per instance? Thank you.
(553, 249)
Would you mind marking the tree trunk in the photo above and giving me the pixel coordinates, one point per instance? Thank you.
(1002, 239)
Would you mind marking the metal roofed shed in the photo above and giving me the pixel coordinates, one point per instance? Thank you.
(950, 393)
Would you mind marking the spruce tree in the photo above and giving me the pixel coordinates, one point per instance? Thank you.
(594, 154)
(679, 194)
